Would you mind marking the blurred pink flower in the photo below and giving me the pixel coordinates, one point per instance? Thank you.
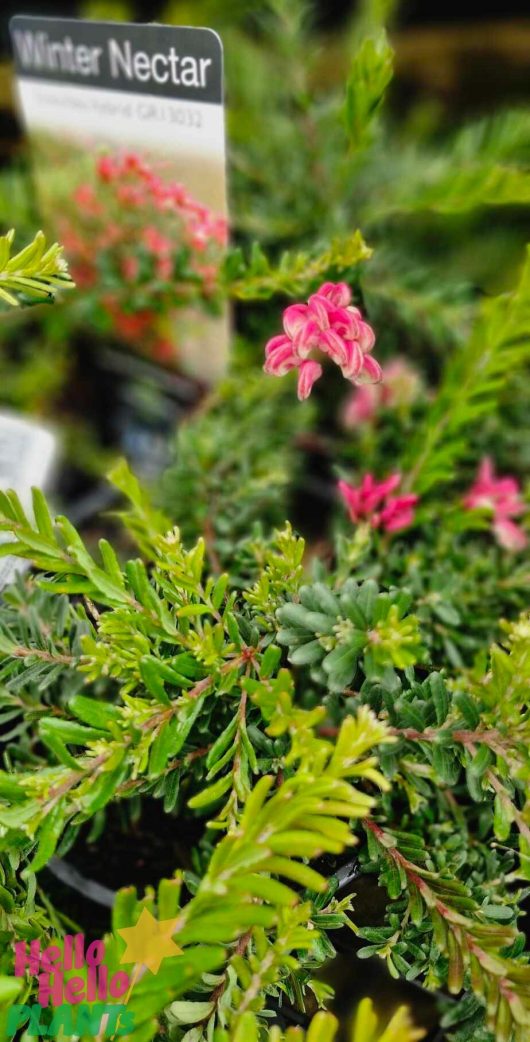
(372, 501)
(398, 513)
(155, 241)
(106, 168)
(502, 497)
(86, 198)
(400, 386)
(130, 195)
(130, 266)
(509, 535)
(329, 324)
(164, 268)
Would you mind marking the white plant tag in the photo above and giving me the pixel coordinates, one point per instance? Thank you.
(88, 88)
(27, 453)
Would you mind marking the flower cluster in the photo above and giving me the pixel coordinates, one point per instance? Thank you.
(400, 387)
(147, 245)
(139, 186)
(373, 501)
(501, 496)
(327, 324)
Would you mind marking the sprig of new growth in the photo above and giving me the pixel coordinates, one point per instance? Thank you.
(366, 1028)
(295, 274)
(371, 72)
(34, 274)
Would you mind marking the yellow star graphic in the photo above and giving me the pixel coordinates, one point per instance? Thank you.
(150, 941)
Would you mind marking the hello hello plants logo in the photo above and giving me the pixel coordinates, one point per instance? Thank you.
(77, 992)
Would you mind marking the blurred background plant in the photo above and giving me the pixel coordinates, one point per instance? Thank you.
(139, 245)
(321, 142)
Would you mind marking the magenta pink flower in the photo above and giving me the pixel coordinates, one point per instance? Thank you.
(500, 495)
(308, 372)
(502, 498)
(398, 513)
(373, 501)
(327, 324)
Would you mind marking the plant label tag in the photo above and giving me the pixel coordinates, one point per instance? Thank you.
(27, 454)
(127, 127)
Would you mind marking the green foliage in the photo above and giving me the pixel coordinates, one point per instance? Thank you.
(169, 660)
(40, 642)
(462, 929)
(10, 989)
(369, 77)
(399, 1029)
(295, 274)
(203, 714)
(460, 586)
(323, 1028)
(280, 571)
(171, 642)
(332, 632)
(486, 168)
(35, 360)
(233, 463)
(473, 945)
(400, 181)
(32, 275)
(23, 915)
(469, 189)
(470, 389)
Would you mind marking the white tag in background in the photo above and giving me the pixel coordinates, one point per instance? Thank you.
(155, 89)
(27, 455)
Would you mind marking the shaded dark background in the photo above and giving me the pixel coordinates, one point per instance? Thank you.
(413, 12)
(433, 39)
(332, 12)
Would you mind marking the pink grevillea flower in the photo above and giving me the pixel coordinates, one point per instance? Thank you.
(488, 492)
(327, 324)
(509, 535)
(502, 497)
(400, 387)
(373, 501)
